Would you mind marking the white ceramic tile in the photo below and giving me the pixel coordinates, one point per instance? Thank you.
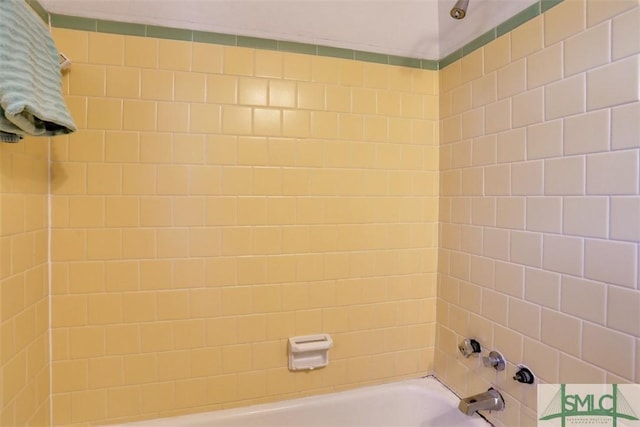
(512, 79)
(526, 248)
(527, 178)
(565, 98)
(461, 98)
(564, 20)
(625, 218)
(509, 279)
(461, 154)
(562, 254)
(623, 310)
(598, 10)
(461, 210)
(472, 182)
(524, 317)
(508, 341)
(611, 262)
(482, 271)
(614, 84)
(512, 145)
(497, 180)
(575, 371)
(473, 123)
(495, 243)
(625, 40)
(472, 65)
(495, 306)
(613, 173)
(585, 216)
(484, 90)
(544, 214)
(564, 176)
(483, 211)
(527, 38)
(497, 54)
(587, 133)
(587, 50)
(542, 287)
(584, 299)
(561, 331)
(545, 66)
(484, 150)
(510, 212)
(451, 183)
(498, 116)
(527, 108)
(625, 126)
(541, 359)
(451, 129)
(608, 349)
(544, 140)
(471, 239)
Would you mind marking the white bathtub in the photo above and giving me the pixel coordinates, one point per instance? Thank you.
(422, 402)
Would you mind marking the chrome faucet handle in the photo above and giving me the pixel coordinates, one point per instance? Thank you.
(495, 360)
(469, 347)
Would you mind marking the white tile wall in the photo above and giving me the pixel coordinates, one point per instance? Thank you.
(546, 201)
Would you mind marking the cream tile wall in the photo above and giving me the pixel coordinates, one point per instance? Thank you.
(24, 292)
(217, 200)
(540, 204)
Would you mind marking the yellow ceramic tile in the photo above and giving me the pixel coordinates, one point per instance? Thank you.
(156, 84)
(363, 101)
(104, 244)
(324, 125)
(311, 96)
(295, 123)
(78, 274)
(104, 113)
(282, 93)
(122, 82)
(139, 115)
(156, 212)
(141, 52)
(189, 86)
(222, 89)
(68, 245)
(104, 309)
(351, 72)
(236, 300)
(155, 274)
(155, 337)
(156, 147)
(189, 148)
(174, 55)
(236, 358)
(189, 273)
(123, 402)
(73, 43)
(138, 179)
(338, 98)
(172, 305)
(297, 67)
(236, 120)
(122, 339)
(252, 91)
(205, 118)
(173, 179)
(122, 147)
(106, 48)
(85, 342)
(206, 58)
(173, 117)
(122, 211)
(172, 243)
(266, 122)
(238, 61)
(104, 179)
(88, 80)
(376, 76)
(190, 334)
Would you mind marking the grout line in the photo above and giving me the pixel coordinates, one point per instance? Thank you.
(49, 280)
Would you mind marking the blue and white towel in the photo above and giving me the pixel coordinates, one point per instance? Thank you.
(31, 101)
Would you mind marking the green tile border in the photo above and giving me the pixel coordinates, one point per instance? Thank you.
(142, 30)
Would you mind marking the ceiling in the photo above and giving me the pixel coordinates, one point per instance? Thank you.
(411, 28)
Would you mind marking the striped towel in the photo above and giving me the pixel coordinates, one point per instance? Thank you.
(30, 80)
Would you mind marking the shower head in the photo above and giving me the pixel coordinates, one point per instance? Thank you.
(459, 11)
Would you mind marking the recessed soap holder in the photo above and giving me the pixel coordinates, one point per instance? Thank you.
(309, 352)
